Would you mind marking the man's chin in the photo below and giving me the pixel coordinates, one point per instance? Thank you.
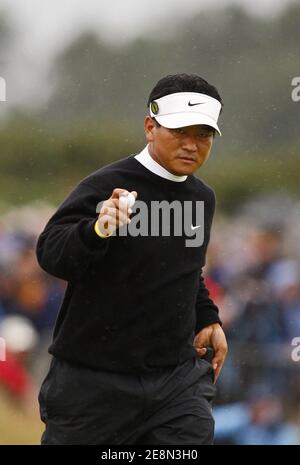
(184, 169)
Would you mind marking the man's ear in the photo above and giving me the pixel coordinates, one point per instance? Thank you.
(150, 128)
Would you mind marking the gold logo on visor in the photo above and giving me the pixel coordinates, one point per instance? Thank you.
(154, 107)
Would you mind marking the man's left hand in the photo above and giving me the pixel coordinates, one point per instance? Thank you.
(212, 336)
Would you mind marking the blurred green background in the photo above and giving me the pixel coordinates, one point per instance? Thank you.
(95, 110)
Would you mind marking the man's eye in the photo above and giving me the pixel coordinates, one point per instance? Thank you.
(205, 134)
(178, 130)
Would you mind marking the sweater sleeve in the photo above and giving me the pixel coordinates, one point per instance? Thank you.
(206, 310)
(69, 242)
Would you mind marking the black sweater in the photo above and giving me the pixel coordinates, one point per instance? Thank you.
(132, 304)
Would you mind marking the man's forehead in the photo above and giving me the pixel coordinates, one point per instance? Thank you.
(197, 127)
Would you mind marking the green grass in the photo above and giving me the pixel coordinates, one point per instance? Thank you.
(17, 427)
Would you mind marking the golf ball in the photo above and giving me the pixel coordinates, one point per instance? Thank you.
(128, 199)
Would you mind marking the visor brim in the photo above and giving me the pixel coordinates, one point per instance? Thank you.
(181, 120)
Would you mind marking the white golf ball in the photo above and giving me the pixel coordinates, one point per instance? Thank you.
(128, 199)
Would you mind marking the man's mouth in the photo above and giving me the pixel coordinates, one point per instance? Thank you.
(188, 159)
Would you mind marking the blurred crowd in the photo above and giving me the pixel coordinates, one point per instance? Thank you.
(253, 274)
(29, 301)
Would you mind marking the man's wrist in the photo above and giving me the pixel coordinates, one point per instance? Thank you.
(98, 232)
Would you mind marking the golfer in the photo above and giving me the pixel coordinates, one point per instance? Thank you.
(136, 327)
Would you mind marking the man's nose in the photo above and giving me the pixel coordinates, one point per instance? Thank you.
(189, 143)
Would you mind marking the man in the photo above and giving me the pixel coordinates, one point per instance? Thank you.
(136, 318)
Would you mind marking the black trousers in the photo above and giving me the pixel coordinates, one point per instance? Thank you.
(169, 406)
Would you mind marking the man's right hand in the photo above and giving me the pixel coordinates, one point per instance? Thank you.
(113, 213)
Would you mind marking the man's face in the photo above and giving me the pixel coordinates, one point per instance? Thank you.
(181, 151)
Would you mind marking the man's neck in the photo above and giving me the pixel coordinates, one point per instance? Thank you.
(145, 158)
